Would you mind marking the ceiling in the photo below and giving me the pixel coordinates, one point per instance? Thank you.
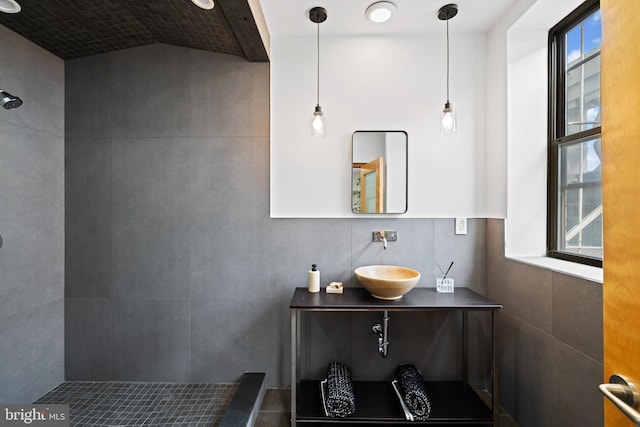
(347, 18)
(77, 28)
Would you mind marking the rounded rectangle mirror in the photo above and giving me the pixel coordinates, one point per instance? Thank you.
(379, 172)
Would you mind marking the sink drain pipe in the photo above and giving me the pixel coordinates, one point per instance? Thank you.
(381, 331)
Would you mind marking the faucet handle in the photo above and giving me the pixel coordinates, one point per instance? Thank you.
(380, 236)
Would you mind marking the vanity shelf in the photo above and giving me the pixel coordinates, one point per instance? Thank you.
(453, 402)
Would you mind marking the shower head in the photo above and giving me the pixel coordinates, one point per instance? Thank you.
(9, 101)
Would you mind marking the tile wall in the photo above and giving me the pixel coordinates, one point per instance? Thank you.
(550, 341)
(31, 221)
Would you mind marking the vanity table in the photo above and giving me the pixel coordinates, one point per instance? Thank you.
(452, 402)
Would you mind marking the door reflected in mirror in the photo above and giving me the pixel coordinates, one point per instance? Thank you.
(379, 172)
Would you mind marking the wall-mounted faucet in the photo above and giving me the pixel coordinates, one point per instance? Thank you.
(378, 236)
(384, 237)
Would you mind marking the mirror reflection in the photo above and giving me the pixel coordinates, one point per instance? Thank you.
(379, 172)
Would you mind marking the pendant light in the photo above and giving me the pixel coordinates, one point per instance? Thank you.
(318, 15)
(448, 115)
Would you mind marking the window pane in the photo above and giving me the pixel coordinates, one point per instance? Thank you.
(582, 78)
(583, 96)
(574, 45)
(580, 198)
(592, 33)
(575, 198)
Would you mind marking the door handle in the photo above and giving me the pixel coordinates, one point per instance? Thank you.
(624, 394)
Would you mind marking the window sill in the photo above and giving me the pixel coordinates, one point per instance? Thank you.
(586, 272)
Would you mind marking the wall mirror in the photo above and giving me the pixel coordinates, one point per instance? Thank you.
(379, 172)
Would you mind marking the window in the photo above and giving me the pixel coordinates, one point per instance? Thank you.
(574, 176)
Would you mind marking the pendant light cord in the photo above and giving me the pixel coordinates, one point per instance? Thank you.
(447, 61)
(318, 65)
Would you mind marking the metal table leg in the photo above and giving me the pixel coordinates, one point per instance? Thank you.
(494, 371)
(295, 343)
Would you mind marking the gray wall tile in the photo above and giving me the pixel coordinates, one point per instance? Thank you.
(526, 367)
(479, 347)
(151, 196)
(280, 344)
(527, 291)
(31, 218)
(229, 96)
(88, 217)
(496, 261)
(298, 243)
(88, 339)
(550, 340)
(32, 352)
(578, 402)
(150, 92)
(229, 337)
(88, 100)
(577, 314)
(37, 77)
(150, 339)
(31, 222)
(229, 221)
(465, 250)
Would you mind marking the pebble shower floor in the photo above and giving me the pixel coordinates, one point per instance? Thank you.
(142, 403)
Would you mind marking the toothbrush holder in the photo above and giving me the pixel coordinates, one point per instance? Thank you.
(445, 285)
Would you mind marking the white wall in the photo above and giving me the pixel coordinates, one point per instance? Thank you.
(526, 54)
(370, 83)
(497, 98)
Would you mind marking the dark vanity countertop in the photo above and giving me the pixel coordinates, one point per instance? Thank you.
(418, 299)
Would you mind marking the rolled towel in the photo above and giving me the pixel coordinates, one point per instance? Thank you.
(413, 392)
(339, 398)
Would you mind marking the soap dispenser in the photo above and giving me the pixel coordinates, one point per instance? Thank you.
(314, 279)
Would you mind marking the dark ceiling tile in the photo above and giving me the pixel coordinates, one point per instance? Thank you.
(76, 28)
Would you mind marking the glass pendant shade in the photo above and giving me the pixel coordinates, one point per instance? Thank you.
(448, 114)
(318, 15)
(317, 123)
(448, 120)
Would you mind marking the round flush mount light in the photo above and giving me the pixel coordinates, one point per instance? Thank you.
(9, 6)
(380, 11)
(202, 4)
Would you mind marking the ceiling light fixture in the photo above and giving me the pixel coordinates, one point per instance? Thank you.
(9, 6)
(202, 4)
(380, 11)
(318, 15)
(448, 115)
